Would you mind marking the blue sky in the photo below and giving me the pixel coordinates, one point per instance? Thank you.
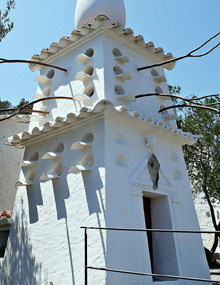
(177, 26)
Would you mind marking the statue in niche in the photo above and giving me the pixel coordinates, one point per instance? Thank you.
(154, 168)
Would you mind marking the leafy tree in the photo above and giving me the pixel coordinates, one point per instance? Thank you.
(8, 105)
(5, 105)
(5, 24)
(22, 103)
(203, 158)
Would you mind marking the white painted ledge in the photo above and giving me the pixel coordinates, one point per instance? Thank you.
(49, 176)
(81, 146)
(26, 163)
(159, 79)
(79, 168)
(51, 155)
(82, 76)
(23, 183)
(83, 59)
(123, 77)
(83, 98)
(126, 98)
(43, 79)
(122, 59)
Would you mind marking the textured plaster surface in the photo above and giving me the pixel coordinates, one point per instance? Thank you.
(48, 216)
(104, 81)
(205, 220)
(46, 241)
(10, 157)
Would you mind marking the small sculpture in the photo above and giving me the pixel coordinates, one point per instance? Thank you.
(154, 167)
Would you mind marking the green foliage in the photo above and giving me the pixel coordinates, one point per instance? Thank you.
(5, 104)
(174, 89)
(22, 103)
(5, 24)
(8, 105)
(203, 158)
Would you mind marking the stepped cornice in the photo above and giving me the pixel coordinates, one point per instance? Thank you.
(101, 25)
(103, 108)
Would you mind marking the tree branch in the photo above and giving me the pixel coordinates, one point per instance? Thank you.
(3, 60)
(190, 106)
(189, 54)
(177, 97)
(34, 102)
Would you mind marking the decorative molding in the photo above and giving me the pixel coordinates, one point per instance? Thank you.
(49, 176)
(23, 183)
(26, 164)
(141, 177)
(83, 59)
(101, 25)
(122, 59)
(79, 168)
(86, 114)
(81, 146)
(52, 155)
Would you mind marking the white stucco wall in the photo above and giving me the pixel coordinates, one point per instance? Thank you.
(129, 184)
(205, 220)
(46, 242)
(46, 238)
(10, 157)
(103, 80)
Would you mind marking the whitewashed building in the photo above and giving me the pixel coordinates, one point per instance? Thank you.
(10, 158)
(205, 219)
(103, 159)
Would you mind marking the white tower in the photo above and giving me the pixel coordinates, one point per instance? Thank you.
(95, 161)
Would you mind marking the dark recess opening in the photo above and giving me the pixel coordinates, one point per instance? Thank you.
(148, 222)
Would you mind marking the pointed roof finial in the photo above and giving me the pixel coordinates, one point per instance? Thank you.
(88, 10)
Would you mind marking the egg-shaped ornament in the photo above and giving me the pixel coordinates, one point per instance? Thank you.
(88, 10)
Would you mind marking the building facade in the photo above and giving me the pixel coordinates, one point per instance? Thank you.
(102, 158)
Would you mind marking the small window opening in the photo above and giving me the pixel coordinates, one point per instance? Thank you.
(121, 160)
(34, 156)
(89, 70)
(158, 90)
(154, 72)
(88, 138)
(119, 90)
(117, 70)
(51, 73)
(117, 52)
(89, 52)
(59, 147)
